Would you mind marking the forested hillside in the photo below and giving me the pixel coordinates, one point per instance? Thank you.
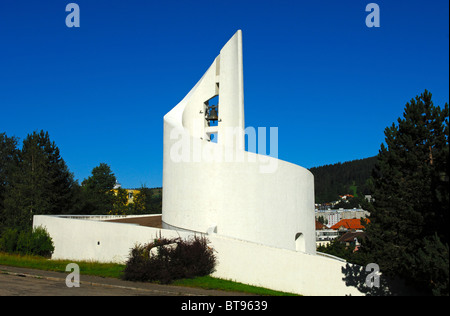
(352, 177)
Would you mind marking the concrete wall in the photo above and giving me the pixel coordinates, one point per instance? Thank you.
(280, 269)
(238, 260)
(97, 240)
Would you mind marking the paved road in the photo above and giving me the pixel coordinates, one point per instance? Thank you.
(30, 282)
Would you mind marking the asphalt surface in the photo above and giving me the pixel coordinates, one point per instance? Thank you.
(30, 282)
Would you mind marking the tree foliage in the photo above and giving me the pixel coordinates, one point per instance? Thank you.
(408, 230)
(40, 184)
(98, 196)
(27, 242)
(120, 205)
(148, 201)
(9, 159)
(330, 181)
(35, 180)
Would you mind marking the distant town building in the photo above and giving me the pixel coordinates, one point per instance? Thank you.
(347, 196)
(131, 193)
(353, 224)
(347, 231)
(324, 235)
(352, 239)
(332, 217)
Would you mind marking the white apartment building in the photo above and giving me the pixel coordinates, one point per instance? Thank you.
(334, 216)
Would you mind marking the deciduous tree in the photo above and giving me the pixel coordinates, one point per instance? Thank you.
(98, 194)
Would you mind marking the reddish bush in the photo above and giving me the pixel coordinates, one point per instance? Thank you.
(165, 260)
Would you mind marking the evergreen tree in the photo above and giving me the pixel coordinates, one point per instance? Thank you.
(140, 200)
(330, 181)
(154, 201)
(408, 230)
(98, 194)
(42, 183)
(9, 158)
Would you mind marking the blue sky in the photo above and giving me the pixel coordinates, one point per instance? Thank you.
(311, 68)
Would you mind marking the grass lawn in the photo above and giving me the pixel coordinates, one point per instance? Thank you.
(114, 270)
(107, 270)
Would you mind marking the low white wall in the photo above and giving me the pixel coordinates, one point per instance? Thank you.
(279, 269)
(238, 260)
(103, 241)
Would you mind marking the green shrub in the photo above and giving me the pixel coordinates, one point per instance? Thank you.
(24, 242)
(28, 242)
(8, 240)
(41, 243)
(166, 260)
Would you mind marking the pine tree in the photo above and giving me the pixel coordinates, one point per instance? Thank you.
(9, 158)
(42, 183)
(409, 221)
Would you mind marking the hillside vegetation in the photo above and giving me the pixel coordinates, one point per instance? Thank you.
(352, 177)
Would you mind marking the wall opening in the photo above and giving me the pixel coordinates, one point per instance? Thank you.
(212, 105)
(300, 242)
(213, 137)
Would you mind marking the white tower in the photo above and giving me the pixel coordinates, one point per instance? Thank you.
(218, 187)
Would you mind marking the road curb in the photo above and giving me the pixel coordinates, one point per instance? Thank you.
(95, 281)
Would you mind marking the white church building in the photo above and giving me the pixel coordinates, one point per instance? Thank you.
(257, 211)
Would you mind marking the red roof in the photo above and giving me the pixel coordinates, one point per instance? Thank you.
(349, 224)
(319, 225)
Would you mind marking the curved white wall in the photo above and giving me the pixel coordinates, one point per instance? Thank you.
(219, 186)
(80, 239)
